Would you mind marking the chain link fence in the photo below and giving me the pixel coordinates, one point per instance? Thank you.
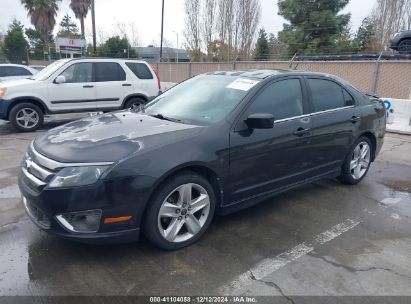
(385, 78)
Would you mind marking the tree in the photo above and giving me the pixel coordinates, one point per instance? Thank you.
(208, 24)
(42, 15)
(15, 44)
(36, 43)
(192, 31)
(262, 48)
(68, 28)
(80, 9)
(117, 47)
(314, 25)
(277, 48)
(365, 36)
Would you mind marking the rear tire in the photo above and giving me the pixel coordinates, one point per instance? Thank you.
(180, 211)
(133, 102)
(26, 117)
(357, 162)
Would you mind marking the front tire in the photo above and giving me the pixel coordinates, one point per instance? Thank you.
(357, 162)
(405, 46)
(26, 117)
(180, 211)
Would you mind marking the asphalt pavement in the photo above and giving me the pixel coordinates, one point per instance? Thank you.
(318, 240)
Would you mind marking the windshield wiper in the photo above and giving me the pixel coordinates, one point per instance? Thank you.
(161, 116)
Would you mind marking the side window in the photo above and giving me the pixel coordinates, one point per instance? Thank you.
(109, 71)
(140, 70)
(16, 71)
(79, 72)
(283, 99)
(326, 94)
(2, 74)
(348, 99)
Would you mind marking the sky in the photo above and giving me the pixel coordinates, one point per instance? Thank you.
(144, 18)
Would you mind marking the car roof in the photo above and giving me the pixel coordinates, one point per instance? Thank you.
(263, 74)
(13, 65)
(98, 59)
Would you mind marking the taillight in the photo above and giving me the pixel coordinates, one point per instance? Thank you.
(158, 78)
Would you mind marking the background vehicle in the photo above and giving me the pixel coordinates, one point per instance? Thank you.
(15, 71)
(77, 85)
(401, 42)
(218, 142)
(37, 67)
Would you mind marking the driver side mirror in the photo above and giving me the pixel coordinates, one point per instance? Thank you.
(60, 79)
(260, 121)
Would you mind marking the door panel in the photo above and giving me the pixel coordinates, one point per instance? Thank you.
(268, 159)
(111, 85)
(334, 122)
(77, 93)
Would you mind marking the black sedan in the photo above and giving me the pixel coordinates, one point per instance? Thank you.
(401, 42)
(214, 144)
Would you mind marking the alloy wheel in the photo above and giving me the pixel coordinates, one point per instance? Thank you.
(360, 160)
(27, 118)
(183, 213)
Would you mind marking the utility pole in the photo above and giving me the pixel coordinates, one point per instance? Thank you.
(93, 22)
(162, 24)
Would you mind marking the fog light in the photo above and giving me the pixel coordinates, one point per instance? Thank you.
(83, 221)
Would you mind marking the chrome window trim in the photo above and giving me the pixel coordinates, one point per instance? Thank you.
(53, 165)
(313, 114)
(34, 179)
(291, 118)
(331, 110)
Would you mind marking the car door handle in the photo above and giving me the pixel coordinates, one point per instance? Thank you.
(126, 84)
(301, 132)
(87, 86)
(355, 119)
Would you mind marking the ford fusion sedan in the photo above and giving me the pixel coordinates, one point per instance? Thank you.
(214, 144)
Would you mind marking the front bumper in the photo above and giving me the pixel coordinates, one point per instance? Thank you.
(4, 108)
(111, 196)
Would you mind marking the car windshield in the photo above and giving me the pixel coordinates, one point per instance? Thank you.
(204, 99)
(49, 70)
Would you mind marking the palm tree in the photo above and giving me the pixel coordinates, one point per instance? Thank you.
(80, 9)
(42, 15)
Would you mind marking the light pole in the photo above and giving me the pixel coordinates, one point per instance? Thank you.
(177, 46)
(162, 24)
(93, 25)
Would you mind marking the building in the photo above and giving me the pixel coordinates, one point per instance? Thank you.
(152, 54)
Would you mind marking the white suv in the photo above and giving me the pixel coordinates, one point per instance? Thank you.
(77, 85)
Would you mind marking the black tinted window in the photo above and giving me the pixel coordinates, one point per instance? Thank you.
(79, 72)
(109, 71)
(348, 99)
(16, 71)
(140, 70)
(283, 99)
(326, 94)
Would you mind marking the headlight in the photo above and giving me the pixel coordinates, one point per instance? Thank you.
(2, 92)
(77, 176)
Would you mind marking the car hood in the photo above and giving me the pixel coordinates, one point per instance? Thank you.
(9, 83)
(111, 137)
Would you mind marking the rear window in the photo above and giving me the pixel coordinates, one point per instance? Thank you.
(16, 71)
(109, 71)
(140, 70)
(326, 94)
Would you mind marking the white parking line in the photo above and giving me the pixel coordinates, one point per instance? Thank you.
(270, 265)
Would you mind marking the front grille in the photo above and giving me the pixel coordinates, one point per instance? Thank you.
(36, 173)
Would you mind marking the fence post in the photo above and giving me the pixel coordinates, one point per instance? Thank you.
(189, 69)
(376, 74)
